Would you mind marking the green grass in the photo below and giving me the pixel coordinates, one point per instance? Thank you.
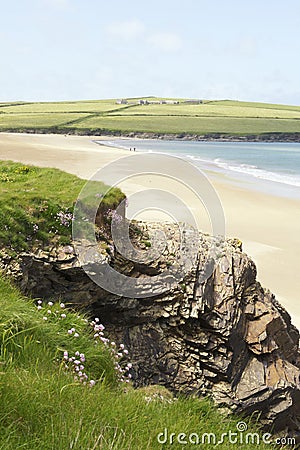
(42, 407)
(63, 107)
(210, 117)
(31, 199)
(36, 120)
(190, 125)
(211, 110)
(253, 104)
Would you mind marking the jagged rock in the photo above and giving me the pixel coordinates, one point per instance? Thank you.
(226, 336)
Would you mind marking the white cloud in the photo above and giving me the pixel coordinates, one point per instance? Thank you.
(168, 42)
(128, 30)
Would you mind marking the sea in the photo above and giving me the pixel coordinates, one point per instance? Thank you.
(273, 168)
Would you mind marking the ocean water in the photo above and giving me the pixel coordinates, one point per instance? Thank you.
(270, 167)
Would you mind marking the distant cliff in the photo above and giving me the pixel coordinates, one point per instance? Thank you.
(226, 337)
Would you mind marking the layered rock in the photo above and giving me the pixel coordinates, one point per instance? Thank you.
(226, 337)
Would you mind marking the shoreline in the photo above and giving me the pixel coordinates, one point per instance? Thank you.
(184, 136)
(262, 181)
(267, 225)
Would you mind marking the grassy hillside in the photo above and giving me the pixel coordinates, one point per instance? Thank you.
(36, 205)
(159, 116)
(44, 407)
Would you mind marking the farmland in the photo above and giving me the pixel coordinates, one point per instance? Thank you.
(151, 115)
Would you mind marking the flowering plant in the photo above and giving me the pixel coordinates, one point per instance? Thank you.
(74, 361)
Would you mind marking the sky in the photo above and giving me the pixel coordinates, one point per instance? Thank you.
(92, 49)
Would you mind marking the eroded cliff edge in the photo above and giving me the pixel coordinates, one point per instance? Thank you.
(227, 336)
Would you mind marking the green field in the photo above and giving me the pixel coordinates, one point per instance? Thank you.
(37, 120)
(210, 110)
(62, 107)
(191, 125)
(160, 116)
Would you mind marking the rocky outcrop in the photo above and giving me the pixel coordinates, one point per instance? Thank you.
(226, 337)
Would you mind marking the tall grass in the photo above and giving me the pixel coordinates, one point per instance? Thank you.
(43, 407)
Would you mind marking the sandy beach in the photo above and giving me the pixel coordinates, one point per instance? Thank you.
(267, 225)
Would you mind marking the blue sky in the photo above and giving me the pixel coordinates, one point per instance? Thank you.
(92, 49)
